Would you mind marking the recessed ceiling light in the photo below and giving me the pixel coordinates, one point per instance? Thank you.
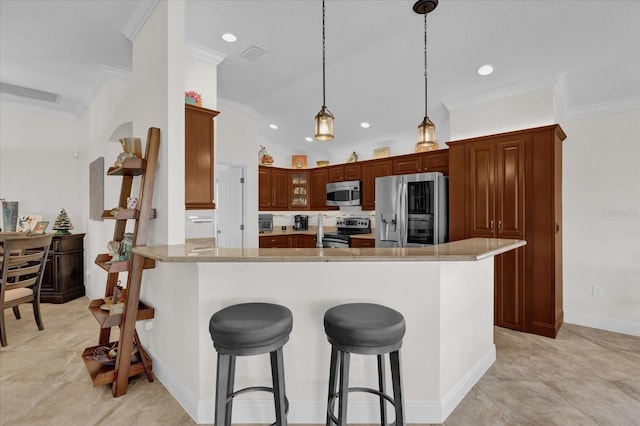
(308, 139)
(229, 38)
(273, 126)
(364, 125)
(485, 70)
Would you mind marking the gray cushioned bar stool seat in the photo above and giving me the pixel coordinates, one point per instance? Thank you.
(249, 329)
(368, 329)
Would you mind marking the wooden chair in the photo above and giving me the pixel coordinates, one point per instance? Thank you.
(22, 269)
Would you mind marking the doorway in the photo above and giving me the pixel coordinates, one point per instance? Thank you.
(230, 206)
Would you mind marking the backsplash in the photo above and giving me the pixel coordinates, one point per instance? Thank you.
(328, 217)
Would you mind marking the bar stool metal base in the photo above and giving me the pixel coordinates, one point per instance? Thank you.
(225, 392)
(339, 376)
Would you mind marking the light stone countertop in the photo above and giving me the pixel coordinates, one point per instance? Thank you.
(464, 250)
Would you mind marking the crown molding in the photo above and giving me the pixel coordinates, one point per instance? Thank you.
(203, 53)
(501, 92)
(251, 113)
(602, 108)
(138, 18)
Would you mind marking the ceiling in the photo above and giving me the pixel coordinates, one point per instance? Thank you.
(588, 50)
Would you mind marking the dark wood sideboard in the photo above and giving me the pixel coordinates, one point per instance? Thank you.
(64, 273)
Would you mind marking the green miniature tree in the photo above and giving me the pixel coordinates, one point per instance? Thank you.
(62, 224)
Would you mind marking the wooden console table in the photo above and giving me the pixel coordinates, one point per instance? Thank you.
(63, 278)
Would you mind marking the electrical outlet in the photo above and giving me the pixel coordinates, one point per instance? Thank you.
(148, 325)
(596, 291)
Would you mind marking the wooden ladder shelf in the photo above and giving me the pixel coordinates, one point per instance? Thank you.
(131, 358)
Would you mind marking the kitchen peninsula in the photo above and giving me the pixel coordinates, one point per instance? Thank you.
(445, 293)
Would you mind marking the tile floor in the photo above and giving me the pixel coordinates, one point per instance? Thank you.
(584, 377)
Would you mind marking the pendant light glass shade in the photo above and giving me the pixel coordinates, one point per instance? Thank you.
(426, 136)
(324, 125)
(324, 119)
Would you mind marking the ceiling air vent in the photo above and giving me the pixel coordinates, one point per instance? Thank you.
(26, 92)
(253, 52)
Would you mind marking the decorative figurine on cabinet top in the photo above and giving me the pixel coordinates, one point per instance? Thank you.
(265, 158)
(352, 158)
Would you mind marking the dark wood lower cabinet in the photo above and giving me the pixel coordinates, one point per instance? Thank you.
(509, 289)
(287, 241)
(362, 242)
(63, 278)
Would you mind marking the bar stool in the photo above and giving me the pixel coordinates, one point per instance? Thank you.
(249, 329)
(369, 329)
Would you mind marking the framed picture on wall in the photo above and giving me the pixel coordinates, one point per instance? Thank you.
(96, 189)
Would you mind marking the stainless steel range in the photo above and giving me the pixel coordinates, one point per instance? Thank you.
(347, 226)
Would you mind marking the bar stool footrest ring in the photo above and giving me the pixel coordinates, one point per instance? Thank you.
(356, 389)
(259, 389)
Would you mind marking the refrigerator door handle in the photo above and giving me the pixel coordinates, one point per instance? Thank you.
(402, 215)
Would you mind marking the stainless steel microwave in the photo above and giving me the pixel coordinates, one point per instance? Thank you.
(343, 193)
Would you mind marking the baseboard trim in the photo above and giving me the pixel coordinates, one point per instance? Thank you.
(176, 388)
(313, 412)
(603, 323)
(452, 398)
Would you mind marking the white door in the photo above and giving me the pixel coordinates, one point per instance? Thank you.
(230, 207)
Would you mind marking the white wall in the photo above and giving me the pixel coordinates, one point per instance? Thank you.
(42, 163)
(110, 107)
(601, 203)
(524, 111)
(158, 101)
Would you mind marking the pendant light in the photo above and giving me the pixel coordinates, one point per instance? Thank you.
(426, 129)
(324, 119)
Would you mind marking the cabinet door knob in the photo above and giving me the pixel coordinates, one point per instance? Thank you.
(491, 226)
(557, 227)
(499, 226)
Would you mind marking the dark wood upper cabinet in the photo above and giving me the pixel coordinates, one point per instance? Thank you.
(273, 188)
(318, 179)
(352, 171)
(336, 173)
(370, 171)
(280, 189)
(406, 164)
(198, 158)
(496, 196)
(435, 161)
(432, 161)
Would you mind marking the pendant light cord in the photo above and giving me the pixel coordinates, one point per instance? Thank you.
(324, 104)
(425, 65)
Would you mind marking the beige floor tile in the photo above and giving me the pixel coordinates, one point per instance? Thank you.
(477, 409)
(600, 400)
(584, 376)
(532, 403)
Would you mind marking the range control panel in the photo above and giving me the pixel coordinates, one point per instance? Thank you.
(360, 225)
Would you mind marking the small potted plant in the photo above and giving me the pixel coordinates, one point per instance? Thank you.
(193, 98)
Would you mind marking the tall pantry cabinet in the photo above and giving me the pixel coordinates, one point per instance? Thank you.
(510, 186)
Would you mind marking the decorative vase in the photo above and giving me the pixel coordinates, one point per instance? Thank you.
(10, 215)
(190, 101)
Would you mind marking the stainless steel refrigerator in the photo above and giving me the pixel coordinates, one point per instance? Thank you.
(412, 210)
